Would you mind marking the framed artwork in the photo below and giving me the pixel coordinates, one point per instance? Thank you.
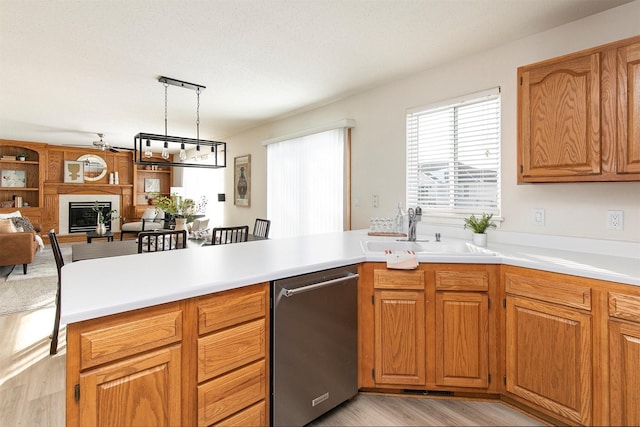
(13, 178)
(73, 172)
(242, 181)
(152, 185)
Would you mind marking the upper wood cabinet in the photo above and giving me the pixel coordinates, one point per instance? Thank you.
(578, 116)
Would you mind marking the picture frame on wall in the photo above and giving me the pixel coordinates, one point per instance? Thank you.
(152, 185)
(242, 181)
(73, 172)
(13, 178)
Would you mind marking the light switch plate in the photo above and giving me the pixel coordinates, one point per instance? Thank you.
(538, 217)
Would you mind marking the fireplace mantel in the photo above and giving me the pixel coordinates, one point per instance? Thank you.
(56, 193)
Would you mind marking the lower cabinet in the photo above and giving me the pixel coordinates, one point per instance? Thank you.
(399, 327)
(624, 356)
(202, 361)
(140, 390)
(549, 344)
(427, 328)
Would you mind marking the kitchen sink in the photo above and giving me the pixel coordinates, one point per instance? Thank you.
(441, 248)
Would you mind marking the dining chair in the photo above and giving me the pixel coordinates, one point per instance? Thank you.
(223, 235)
(161, 240)
(261, 228)
(57, 254)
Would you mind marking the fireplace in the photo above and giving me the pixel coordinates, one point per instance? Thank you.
(82, 217)
(89, 199)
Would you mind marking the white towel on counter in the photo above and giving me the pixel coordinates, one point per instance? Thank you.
(401, 260)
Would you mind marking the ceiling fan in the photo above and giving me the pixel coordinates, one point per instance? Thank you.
(103, 145)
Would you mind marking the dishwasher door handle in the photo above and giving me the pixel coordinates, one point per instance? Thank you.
(291, 292)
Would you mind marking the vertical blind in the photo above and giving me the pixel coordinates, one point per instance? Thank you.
(305, 184)
(453, 155)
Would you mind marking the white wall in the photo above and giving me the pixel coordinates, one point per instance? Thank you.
(378, 141)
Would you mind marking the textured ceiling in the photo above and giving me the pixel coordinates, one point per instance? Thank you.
(71, 69)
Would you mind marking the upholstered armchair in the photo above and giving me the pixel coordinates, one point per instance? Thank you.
(18, 246)
(152, 219)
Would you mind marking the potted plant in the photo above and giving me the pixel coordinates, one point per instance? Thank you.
(103, 217)
(182, 209)
(22, 156)
(479, 227)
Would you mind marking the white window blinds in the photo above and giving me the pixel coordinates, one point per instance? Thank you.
(453, 155)
(306, 184)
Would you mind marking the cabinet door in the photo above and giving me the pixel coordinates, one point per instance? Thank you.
(140, 391)
(462, 339)
(399, 324)
(629, 109)
(560, 119)
(624, 354)
(549, 357)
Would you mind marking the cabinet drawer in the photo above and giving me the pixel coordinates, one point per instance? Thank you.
(624, 306)
(223, 351)
(396, 279)
(229, 308)
(228, 394)
(549, 290)
(102, 345)
(255, 415)
(462, 281)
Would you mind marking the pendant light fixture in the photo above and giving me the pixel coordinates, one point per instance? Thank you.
(174, 144)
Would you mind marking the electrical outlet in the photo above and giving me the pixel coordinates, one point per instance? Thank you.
(615, 220)
(375, 200)
(538, 216)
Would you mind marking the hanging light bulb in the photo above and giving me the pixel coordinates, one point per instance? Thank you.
(183, 153)
(165, 151)
(147, 150)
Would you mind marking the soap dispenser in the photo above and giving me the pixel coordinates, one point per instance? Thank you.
(400, 218)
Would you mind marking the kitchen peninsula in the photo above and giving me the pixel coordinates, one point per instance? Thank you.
(145, 326)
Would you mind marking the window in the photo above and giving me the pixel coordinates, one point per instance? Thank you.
(307, 184)
(453, 155)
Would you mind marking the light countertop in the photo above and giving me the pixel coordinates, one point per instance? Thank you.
(100, 287)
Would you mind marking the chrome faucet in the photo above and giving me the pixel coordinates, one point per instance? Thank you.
(414, 217)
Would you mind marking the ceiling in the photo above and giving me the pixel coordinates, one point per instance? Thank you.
(72, 69)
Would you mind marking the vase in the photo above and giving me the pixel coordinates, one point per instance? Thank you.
(101, 229)
(242, 184)
(181, 223)
(480, 239)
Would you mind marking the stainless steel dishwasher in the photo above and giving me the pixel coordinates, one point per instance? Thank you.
(314, 366)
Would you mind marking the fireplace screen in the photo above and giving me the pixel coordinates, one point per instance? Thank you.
(82, 218)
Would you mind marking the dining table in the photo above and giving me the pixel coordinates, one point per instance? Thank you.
(84, 251)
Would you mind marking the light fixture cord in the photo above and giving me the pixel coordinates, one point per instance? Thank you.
(198, 116)
(166, 86)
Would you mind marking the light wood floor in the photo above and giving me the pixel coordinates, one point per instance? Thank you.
(32, 389)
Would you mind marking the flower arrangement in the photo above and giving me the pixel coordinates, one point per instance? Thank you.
(179, 207)
(479, 225)
(104, 217)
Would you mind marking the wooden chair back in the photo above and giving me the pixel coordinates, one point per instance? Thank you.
(261, 228)
(57, 254)
(224, 235)
(161, 240)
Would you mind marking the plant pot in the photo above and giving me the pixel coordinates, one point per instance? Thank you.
(101, 229)
(22, 159)
(480, 239)
(181, 223)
